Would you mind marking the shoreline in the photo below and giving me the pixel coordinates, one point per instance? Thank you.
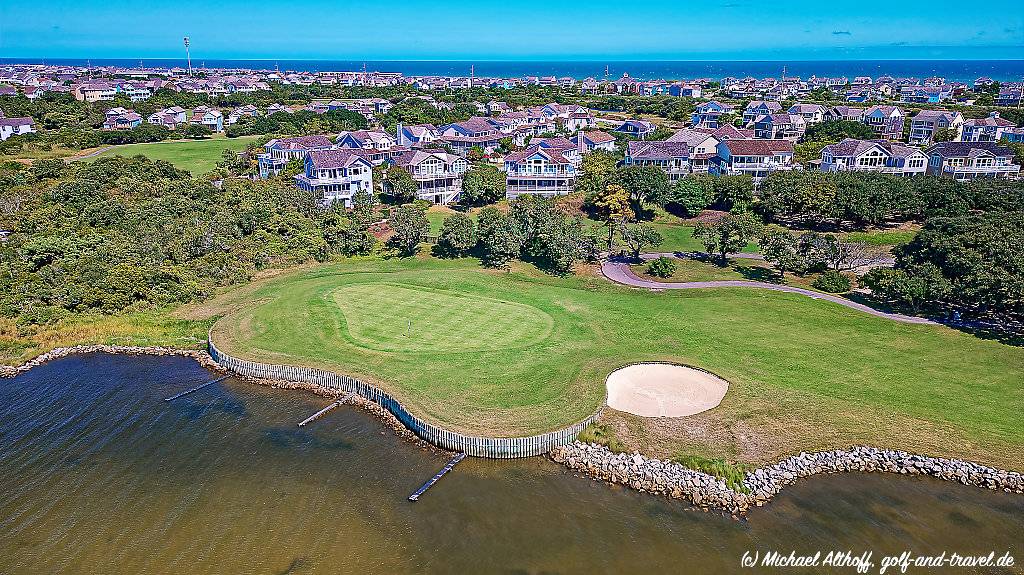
(658, 477)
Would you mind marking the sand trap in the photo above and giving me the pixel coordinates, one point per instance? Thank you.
(664, 390)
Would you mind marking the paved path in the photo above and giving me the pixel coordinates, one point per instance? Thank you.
(619, 272)
(90, 154)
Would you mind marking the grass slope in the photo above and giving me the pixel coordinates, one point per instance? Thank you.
(196, 156)
(805, 374)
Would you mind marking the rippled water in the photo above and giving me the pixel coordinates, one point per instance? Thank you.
(99, 475)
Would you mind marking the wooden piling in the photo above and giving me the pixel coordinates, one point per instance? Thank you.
(196, 388)
(323, 411)
(430, 482)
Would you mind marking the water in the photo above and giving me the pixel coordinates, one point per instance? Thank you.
(959, 70)
(99, 475)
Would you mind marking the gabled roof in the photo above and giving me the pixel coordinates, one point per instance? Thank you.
(553, 156)
(336, 158)
(691, 137)
(415, 157)
(850, 147)
(598, 137)
(301, 143)
(757, 147)
(657, 150)
(968, 149)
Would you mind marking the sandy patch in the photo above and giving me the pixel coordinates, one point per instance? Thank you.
(664, 390)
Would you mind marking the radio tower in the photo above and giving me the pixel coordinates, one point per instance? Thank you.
(188, 57)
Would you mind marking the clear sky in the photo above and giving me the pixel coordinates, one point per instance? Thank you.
(488, 30)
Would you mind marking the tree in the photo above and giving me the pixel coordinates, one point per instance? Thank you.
(364, 207)
(409, 223)
(779, 248)
(197, 131)
(595, 169)
(836, 130)
(475, 154)
(499, 237)
(944, 135)
(457, 236)
(911, 289)
(645, 185)
(398, 184)
(482, 184)
(639, 237)
(612, 207)
(730, 234)
(693, 195)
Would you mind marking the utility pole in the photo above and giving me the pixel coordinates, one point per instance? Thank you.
(472, 75)
(188, 57)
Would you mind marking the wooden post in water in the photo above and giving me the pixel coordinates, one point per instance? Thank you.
(323, 411)
(430, 482)
(196, 388)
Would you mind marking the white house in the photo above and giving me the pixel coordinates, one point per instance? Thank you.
(873, 156)
(336, 175)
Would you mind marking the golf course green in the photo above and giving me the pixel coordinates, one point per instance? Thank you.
(516, 353)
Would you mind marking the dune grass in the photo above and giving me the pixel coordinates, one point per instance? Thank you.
(196, 156)
(804, 374)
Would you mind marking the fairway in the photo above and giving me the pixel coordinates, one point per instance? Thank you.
(406, 318)
(506, 354)
(196, 156)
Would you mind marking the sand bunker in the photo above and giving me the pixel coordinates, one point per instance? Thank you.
(664, 390)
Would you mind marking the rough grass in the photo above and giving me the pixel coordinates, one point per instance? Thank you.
(804, 374)
(196, 156)
(602, 435)
(153, 328)
(882, 237)
(689, 270)
(732, 474)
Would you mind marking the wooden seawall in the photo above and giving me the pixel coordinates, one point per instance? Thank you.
(493, 447)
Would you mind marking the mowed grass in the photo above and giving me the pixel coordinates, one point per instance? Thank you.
(196, 156)
(804, 374)
(390, 317)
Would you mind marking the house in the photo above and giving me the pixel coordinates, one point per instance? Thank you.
(15, 127)
(275, 108)
(476, 132)
(970, 160)
(569, 150)
(703, 148)
(730, 132)
(873, 156)
(208, 117)
(438, 174)
(336, 175)
(811, 113)
(639, 129)
(926, 94)
(538, 171)
(886, 121)
(97, 91)
(780, 127)
(278, 152)
(1010, 95)
(1013, 134)
(685, 90)
(121, 119)
(365, 139)
(170, 118)
(247, 110)
(673, 158)
(416, 136)
(595, 140)
(988, 129)
(845, 113)
(757, 108)
(754, 158)
(707, 114)
(924, 125)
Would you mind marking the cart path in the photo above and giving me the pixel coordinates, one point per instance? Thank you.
(619, 272)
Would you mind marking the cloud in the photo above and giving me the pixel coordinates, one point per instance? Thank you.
(842, 33)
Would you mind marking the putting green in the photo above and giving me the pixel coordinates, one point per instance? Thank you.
(393, 317)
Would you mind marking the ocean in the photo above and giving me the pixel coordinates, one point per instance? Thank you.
(959, 70)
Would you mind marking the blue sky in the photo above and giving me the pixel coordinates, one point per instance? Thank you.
(554, 29)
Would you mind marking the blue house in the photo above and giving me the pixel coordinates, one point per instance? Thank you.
(706, 115)
(639, 129)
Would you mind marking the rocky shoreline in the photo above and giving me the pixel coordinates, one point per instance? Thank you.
(202, 357)
(670, 479)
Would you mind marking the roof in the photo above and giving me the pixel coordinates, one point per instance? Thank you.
(758, 147)
(991, 120)
(689, 136)
(554, 156)
(599, 137)
(850, 147)
(335, 158)
(414, 157)
(967, 149)
(301, 142)
(657, 150)
(15, 121)
(933, 115)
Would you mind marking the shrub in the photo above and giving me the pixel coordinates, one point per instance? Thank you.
(832, 282)
(662, 267)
